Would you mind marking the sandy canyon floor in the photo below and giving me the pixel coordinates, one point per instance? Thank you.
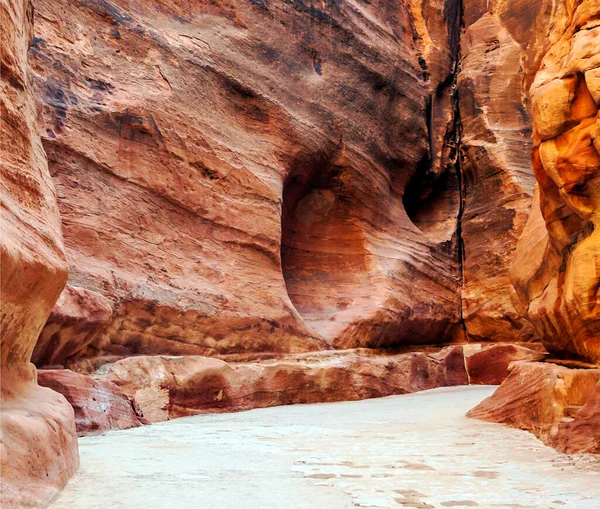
(416, 450)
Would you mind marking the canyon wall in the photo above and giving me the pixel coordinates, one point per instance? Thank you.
(244, 179)
(38, 448)
(556, 272)
(231, 178)
(501, 48)
(257, 177)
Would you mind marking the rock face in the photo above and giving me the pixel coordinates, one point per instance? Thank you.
(231, 177)
(501, 47)
(38, 450)
(490, 365)
(99, 405)
(556, 272)
(78, 317)
(559, 405)
(581, 433)
(168, 387)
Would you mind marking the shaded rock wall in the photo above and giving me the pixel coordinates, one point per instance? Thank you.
(232, 176)
(501, 47)
(38, 449)
(258, 177)
(556, 270)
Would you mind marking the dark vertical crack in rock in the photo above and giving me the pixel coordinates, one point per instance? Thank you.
(454, 13)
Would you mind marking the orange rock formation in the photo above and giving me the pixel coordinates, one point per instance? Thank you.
(267, 182)
(556, 272)
(38, 447)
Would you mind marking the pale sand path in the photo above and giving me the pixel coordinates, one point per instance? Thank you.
(416, 450)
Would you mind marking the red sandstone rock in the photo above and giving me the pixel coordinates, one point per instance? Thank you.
(231, 176)
(490, 364)
(99, 405)
(169, 387)
(500, 50)
(38, 447)
(543, 398)
(581, 433)
(78, 317)
(556, 269)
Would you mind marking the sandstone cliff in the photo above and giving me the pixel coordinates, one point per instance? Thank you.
(244, 179)
(556, 270)
(501, 47)
(38, 448)
(231, 177)
(254, 177)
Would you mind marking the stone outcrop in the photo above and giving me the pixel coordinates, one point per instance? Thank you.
(99, 405)
(168, 387)
(38, 450)
(559, 405)
(556, 270)
(77, 319)
(491, 364)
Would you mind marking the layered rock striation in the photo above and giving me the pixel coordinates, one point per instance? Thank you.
(556, 271)
(501, 48)
(232, 177)
(38, 447)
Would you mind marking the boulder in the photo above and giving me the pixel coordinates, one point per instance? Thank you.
(99, 405)
(557, 404)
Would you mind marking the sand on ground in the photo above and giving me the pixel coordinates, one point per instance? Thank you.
(416, 450)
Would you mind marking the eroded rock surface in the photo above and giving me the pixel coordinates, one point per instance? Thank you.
(501, 47)
(234, 178)
(168, 387)
(557, 404)
(99, 405)
(556, 272)
(38, 446)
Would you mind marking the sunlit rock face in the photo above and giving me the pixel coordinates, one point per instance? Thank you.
(232, 176)
(38, 448)
(556, 272)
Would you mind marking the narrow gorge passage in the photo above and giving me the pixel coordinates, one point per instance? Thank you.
(416, 450)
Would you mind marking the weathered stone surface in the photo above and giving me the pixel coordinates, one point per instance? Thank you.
(231, 176)
(490, 364)
(556, 271)
(99, 405)
(38, 447)
(169, 387)
(581, 433)
(558, 404)
(501, 47)
(76, 320)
